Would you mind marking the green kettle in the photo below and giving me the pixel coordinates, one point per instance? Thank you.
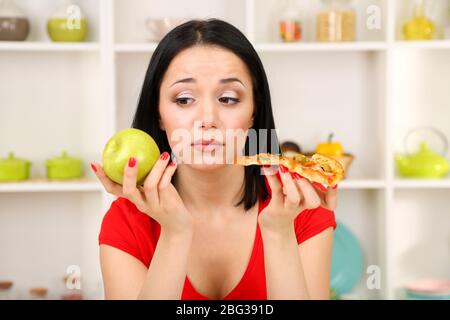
(425, 163)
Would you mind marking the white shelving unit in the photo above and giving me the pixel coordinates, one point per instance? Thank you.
(57, 96)
(43, 46)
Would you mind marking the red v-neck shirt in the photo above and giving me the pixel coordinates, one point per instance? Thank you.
(134, 232)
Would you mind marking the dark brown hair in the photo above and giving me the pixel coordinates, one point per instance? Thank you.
(218, 33)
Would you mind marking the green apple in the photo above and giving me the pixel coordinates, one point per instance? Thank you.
(126, 143)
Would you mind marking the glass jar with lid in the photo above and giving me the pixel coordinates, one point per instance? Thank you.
(420, 26)
(71, 288)
(336, 21)
(6, 290)
(447, 27)
(289, 22)
(38, 293)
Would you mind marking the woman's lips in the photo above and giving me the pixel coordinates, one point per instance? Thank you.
(207, 146)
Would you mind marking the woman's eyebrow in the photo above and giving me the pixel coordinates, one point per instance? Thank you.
(226, 80)
(186, 80)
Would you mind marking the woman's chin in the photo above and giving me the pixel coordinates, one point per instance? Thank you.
(206, 166)
(205, 160)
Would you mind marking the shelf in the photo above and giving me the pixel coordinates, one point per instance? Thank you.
(48, 46)
(130, 17)
(260, 47)
(422, 183)
(432, 44)
(362, 184)
(369, 93)
(437, 12)
(275, 47)
(421, 240)
(265, 17)
(44, 185)
(398, 183)
(317, 46)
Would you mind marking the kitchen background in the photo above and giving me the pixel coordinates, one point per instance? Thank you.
(375, 73)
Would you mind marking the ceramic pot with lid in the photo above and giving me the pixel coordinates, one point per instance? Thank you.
(14, 25)
(14, 169)
(67, 23)
(64, 167)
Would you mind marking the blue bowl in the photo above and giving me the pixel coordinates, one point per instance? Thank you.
(414, 296)
(347, 262)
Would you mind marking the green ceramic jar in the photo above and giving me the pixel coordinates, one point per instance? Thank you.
(14, 169)
(68, 23)
(64, 167)
(60, 30)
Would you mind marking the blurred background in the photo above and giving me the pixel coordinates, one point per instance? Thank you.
(365, 81)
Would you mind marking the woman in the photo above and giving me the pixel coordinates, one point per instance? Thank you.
(212, 230)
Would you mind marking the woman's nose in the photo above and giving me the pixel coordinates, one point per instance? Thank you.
(208, 116)
(207, 124)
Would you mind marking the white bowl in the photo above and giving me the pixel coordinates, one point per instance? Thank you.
(159, 27)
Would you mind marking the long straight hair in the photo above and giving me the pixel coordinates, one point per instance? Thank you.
(217, 33)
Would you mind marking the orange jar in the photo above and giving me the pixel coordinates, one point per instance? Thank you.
(289, 24)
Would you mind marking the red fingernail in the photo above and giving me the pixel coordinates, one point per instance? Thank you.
(131, 162)
(283, 169)
(335, 187)
(171, 163)
(297, 176)
(164, 155)
(320, 186)
(93, 167)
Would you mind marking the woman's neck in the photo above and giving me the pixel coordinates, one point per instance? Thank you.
(210, 192)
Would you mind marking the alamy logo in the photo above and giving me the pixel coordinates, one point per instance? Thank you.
(73, 279)
(74, 17)
(373, 21)
(373, 281)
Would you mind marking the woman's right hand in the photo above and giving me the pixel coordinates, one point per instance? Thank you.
(157, 197)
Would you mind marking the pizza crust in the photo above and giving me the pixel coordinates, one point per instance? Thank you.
(318, 168)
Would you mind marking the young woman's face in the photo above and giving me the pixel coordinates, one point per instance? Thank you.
(206, 94)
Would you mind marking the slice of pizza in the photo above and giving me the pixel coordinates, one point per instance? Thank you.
(318, 168)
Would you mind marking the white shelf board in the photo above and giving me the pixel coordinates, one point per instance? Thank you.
(320, 46)
(48, 46)
(275, 47)
(426, 44)
(45, 185)
(362, 184)
(422, 183)
(310, 46)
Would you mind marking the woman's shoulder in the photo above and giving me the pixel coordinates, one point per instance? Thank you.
(126, 228)
(311, 222)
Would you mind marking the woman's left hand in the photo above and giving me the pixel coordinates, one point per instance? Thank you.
(290, 197)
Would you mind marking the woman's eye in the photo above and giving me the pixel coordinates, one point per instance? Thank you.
(184, 100)
(227, 100)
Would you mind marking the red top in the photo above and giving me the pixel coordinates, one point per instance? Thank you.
(134, 232)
